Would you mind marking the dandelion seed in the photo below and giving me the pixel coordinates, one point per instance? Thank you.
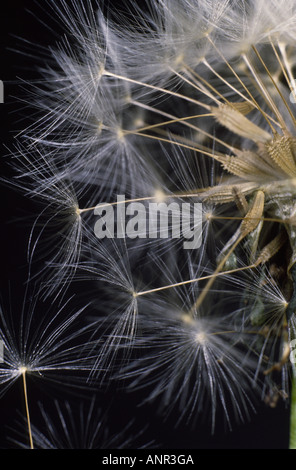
(54, 347)
(193, 365)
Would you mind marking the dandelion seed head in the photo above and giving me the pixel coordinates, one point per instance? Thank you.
(187, 319)
(101, 72)
(100, 127)
(201, 338)
(208, 215)
(138, 122)
(78, 211)
(23, 370)
(160, 196)
(120, 134)
(188, 102)
(49, 345)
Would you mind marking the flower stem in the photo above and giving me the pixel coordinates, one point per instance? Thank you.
(27, 409)
(292, 443)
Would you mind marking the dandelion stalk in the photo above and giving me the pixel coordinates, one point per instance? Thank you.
(24, 371)
(292, 442)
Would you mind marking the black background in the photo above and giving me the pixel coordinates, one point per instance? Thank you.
(22, 23)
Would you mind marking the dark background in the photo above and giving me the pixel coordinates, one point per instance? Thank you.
(26, 26)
